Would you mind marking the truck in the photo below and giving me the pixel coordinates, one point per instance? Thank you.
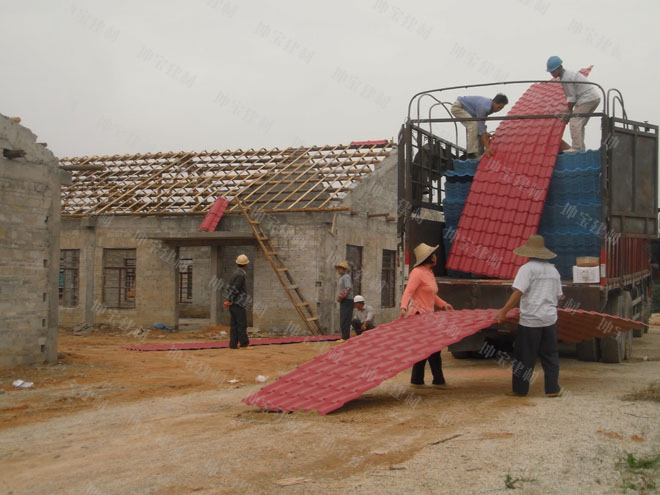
(627, 185)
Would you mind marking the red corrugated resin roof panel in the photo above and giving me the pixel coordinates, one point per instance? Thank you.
(345, 372)
(577, 325)
(342, 374)
(214, 215)
(192, 346)
(507, 195)
(574, 326)
(378, 142)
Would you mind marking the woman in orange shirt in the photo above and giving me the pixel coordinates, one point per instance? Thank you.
(421, 296)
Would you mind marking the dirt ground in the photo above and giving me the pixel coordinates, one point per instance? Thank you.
(104, 420)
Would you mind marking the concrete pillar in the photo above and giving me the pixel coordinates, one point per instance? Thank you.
(215, 293)
(90, 269)
(49, 342)
(156, 288)
(174, 295)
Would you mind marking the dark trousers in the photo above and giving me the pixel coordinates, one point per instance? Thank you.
(238, 326)
(345, 315)
(533, 342)
(357, 326)
(435, 362)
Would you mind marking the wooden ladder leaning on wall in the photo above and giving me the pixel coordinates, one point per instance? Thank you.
(302, 307)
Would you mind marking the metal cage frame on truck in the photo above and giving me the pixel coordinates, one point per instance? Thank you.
(629, 202)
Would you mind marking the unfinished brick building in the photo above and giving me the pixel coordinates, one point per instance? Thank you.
(30, 182)
(132, 255)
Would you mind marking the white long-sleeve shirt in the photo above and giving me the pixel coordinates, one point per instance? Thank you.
(578, 93)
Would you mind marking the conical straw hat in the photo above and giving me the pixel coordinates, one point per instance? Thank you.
(535, 248)
(422, 252)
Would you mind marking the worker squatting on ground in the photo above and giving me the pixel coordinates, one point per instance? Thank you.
(581, 98)
(421, 296)
(477, 106)
(537, 287)
(345, 299)
(237, 297)
(363, 316)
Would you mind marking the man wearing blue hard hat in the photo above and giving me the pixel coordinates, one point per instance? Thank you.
(581, 98)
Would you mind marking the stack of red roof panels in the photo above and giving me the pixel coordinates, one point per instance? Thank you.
(214, 215)
(508, 192)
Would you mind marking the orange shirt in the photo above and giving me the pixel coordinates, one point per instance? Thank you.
(421, 294)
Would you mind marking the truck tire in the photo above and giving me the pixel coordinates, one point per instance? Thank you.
(588, 350)
(629, 345)
(645, 312)
(626, 312)
(613, 347)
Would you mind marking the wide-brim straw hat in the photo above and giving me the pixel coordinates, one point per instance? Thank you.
(422, 252)
(535, 248)
(343, 264)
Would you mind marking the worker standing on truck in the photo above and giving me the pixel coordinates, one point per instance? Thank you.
(345, 300)
(477, 106)
(581, 98)
(537, 287)
(421, 296)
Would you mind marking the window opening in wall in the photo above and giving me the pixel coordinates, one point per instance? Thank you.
(387, 285)
(186, 281)
(69, 277)
(119, 278)
(354, 258)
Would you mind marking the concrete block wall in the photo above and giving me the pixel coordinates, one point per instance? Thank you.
(83, 239)
(299, 250)
(295, 237)
(29, 248)
(201, 259)
(375, 194)
(156, 273)
(374, 235)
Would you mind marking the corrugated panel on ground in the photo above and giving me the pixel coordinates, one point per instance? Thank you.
(214, 215)
(508, 191)
(346, 371)
(192, 346)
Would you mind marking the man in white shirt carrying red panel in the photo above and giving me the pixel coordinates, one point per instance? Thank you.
(537, 287)
(581, 98)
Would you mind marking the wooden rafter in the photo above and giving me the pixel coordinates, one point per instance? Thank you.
(294, 179)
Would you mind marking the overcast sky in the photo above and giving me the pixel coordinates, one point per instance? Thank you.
(96, 77)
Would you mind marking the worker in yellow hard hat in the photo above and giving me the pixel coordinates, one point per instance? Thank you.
(237, 298)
